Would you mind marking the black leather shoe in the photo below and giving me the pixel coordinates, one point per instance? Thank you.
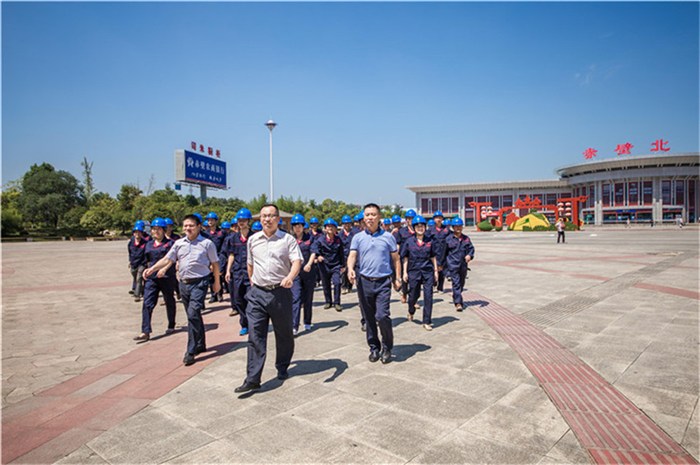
(246, 386)
(213, 299)
(373, 356)
(386, 356)
(338, 308)
(282, 375)
(200, 350)
(364, 327)
(188, 360)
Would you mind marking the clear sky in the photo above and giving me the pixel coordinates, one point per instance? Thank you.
(369, 97)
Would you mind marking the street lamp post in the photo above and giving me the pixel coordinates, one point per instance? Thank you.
(271, 125)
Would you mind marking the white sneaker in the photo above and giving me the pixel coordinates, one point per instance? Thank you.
(308, 327)
(428, 327)
(295, 331)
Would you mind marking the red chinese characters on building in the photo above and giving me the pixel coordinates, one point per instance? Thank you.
(218, 153)
(589, 153)
(658, 144)
(193, 145)
(624, 149)
(210, 151)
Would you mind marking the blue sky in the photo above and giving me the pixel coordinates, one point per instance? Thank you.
(369, 97)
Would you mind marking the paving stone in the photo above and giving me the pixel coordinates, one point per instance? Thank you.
(338, 412)
(148, 437)
(399, 433)
(464, 447)
(82, 455)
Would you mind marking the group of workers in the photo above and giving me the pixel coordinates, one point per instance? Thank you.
(429, 250)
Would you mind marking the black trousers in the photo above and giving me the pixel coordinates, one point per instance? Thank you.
(263, 307)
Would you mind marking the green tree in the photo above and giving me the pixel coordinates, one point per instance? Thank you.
(88, 183)
(101, 215)
(127, 196)
(47, 195)
(11, 217)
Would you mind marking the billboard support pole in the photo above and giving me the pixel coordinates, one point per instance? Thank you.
(202, 193)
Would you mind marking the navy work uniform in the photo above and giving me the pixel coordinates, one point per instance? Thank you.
(137, 263)
(346, 239)
(420, 273)
(303, 287)
(456, 250)
(236, 244)
(154, 285)
(333, 260)
(404, 233)
(218, 236)
(438, 236)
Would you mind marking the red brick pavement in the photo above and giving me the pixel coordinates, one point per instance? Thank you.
(52, 424)
(608, 425)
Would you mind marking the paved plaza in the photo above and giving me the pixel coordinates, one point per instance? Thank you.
(581, 352)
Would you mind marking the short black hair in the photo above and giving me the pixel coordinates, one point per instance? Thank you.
(193, 218)
(372, 205)
(277, 210)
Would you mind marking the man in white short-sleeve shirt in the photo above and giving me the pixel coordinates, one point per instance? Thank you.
(274, 260)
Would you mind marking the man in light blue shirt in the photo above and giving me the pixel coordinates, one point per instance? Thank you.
(197, 258)
(375, 252)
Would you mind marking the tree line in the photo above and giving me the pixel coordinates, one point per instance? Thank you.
(50, 202)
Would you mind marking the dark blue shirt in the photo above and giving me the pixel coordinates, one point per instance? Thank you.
(331, 250)
(438, 238)
(305, 246)
(346, 239)
(237, 244)
(456, 249)
(217, 237)
(155, 252)
(404, 233)
(419, 255)
(137, 252)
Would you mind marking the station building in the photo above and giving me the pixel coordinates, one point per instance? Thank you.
(641, 188)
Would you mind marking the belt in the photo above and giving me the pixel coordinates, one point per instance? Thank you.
(382, 278)
(193, 280)
(268, 288)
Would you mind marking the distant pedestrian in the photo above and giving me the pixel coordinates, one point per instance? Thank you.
(420, 269)
(137, 259)
(561, 228)
(164, 282)
(376, 253)
(274, 261)
(197, 259)
(328, 252)
(236, 272)
(459, 251)
(303, 287)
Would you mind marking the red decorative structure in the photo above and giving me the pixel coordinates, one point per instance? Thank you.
(566, 207)
(589, 153)
(658, 144)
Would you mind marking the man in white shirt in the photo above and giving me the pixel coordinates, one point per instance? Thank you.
(274, 260)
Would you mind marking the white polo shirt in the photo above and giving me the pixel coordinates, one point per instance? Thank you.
(272, 257)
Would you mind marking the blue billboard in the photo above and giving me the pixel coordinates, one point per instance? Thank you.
(200, 169)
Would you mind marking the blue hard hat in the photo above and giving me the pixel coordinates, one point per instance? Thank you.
(418, 220)
(225, 225)
(244, 214)
(280, 222)
(169, 222)
(396, 219)
(298, 219)
(330, 221)
(201, 220)
(313, 220)
(386, 221)
(306, 225)
(446, 222)
(457, 222)
(206, 223)
(257, 226)
(138, 226)
(158, 222)
(356, 217)
(438, 213)
(234, 220)
(410, 213)
(431, 222)
(212, 215)
(346, 219)
(361, 215)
